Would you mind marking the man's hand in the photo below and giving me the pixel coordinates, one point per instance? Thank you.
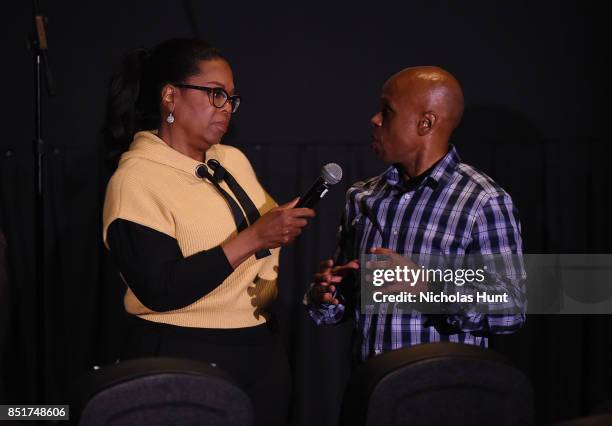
(394, 260)
(327, 278)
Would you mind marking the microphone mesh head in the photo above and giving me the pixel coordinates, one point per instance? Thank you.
(332, 173)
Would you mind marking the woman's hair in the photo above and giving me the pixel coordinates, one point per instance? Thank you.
(134, 94)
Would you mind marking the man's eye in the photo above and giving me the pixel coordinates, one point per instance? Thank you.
(385, 110)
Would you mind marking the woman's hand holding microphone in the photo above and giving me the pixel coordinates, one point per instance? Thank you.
(278, 227)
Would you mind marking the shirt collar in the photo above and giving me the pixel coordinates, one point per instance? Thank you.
(439, 174)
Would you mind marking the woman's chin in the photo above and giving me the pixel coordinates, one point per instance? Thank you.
(215, 137)
(212, 140)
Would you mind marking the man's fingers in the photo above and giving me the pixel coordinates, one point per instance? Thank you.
(353, 264)
(378, 264)
(329, 298)
(382, 250)
(347, 267)
(328, 263)
(383, 264)
(327, 288)
(327, 277)
(324, 293)
(321, 276)
(325, 266)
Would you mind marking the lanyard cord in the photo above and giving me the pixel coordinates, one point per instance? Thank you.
(222, 173)
(237, 214)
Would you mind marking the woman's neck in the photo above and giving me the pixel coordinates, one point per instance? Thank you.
(177, 140)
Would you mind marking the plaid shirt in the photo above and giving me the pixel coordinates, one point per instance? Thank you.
(452, 208)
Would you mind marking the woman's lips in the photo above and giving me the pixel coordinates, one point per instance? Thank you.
(221, 125)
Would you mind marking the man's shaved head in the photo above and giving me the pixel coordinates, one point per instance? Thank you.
(433, 89)
(420, 108)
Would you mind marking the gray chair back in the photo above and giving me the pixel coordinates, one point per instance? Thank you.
(438, 384)
(162, 391)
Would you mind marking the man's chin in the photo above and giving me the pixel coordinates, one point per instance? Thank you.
(378, 150)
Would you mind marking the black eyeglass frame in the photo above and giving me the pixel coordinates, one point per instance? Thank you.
(233, 99)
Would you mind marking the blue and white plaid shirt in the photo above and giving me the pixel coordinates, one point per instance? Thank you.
(450, 209)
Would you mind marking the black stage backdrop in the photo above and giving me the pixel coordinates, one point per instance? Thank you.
(310, 74)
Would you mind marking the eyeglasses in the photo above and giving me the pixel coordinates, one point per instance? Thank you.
(217, 95)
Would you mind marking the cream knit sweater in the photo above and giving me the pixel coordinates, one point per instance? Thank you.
(156, 186)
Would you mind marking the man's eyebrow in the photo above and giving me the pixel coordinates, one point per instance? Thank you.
(385, 101)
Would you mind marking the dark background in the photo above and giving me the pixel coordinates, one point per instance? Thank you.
(310, 74)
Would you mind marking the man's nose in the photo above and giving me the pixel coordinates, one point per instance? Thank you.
(376, 120)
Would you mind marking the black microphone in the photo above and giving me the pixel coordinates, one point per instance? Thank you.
(331, 174)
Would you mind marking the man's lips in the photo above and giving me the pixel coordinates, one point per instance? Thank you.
(375, 145)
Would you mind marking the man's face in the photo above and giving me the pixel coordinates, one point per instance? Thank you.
(394, 126)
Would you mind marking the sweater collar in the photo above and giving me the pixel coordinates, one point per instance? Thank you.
(147, 145)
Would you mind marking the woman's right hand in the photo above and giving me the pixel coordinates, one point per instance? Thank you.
(278, 227)
(281, 225)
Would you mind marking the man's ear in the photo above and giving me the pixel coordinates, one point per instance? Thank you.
(426, 123)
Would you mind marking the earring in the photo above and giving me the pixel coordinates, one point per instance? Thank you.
(170, 118)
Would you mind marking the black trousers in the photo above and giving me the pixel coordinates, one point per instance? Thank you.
(254, 356)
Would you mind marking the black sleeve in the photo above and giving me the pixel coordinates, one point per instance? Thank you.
(154, 267)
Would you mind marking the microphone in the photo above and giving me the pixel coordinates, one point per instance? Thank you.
(331, 174)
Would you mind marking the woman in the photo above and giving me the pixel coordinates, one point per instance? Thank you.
(199, 279)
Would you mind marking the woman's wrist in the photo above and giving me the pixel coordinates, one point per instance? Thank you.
(241, 247)
(251, 239)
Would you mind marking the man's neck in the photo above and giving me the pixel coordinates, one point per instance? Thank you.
(421, 161)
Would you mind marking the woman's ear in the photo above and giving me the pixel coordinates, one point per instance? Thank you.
(168, 97)
(426, 123)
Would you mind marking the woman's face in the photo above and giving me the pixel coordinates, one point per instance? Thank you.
(203, 124)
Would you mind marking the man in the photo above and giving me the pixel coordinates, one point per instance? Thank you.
(427, 201)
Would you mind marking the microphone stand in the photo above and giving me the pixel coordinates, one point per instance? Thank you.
(39, 47)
